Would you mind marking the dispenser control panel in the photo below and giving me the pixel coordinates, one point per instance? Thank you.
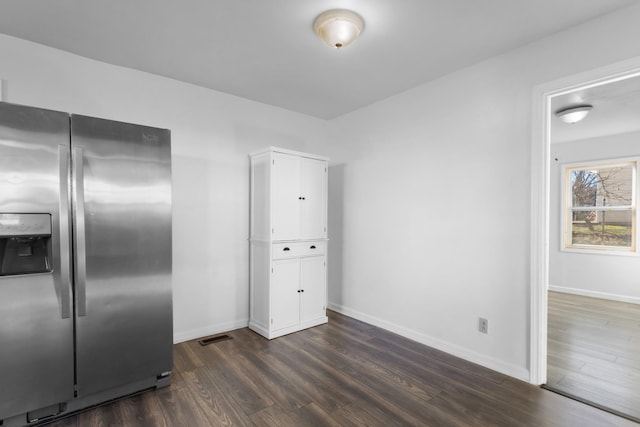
(25, 225)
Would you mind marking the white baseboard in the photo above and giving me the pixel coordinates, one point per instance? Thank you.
(179, 337)
(595, 294)
(447, 347)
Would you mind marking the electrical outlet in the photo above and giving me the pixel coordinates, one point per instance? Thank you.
(483, 325)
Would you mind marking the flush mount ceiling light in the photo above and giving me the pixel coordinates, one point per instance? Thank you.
(574, 114)
(338, 27)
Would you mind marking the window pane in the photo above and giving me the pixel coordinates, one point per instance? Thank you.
(605, 186)
(601, 228)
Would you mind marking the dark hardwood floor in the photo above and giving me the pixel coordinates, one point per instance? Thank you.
(345, 373)
(594, 351)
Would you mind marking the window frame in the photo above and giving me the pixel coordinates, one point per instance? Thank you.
(568, 209)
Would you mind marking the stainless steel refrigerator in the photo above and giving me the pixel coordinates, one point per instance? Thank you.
(85, 261)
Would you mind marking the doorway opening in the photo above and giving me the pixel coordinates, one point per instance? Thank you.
(547, 237)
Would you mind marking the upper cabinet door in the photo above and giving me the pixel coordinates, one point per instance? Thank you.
(297, 193)
(313, 206)
(286, 197)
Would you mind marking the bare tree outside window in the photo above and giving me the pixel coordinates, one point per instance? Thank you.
(601, 206)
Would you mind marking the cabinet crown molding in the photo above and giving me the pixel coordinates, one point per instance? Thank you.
(287, 151)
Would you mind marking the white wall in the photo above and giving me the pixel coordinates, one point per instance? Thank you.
(212, 134)
(605, 276)
(434, 207)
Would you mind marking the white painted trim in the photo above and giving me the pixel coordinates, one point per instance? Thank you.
(209, 330)
(540, 197)
(447, 347)
(265, 332)
(595, 294)
(539, 236)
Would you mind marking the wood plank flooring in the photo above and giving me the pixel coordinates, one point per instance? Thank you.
(594, 351)
(345, 373)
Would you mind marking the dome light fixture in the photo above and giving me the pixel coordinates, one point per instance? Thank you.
(574, 114)
(338, 27)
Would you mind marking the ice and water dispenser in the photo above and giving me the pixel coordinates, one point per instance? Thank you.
(25, 243)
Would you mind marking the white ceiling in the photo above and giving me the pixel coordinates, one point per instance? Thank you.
(265, 50)
(616, 110)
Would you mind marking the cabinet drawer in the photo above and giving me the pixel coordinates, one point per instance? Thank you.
(312, 248)
(285, 250)
(298, 249)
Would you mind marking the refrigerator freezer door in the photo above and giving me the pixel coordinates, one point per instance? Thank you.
(36, 328)
(121, 196)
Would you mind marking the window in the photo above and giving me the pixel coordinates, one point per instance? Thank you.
(600, 207)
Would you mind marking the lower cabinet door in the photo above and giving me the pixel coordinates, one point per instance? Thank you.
(285, 301)
(313, 284)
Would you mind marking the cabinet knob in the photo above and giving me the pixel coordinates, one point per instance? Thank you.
(312, 247)
(286, 249)
(301, 198)
(301, 290)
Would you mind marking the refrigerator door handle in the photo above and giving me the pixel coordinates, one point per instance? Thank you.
(80, 250)
(65, 263)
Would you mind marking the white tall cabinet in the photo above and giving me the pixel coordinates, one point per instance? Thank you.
(288, 275)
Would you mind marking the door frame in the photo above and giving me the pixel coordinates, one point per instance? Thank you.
(540, 198)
